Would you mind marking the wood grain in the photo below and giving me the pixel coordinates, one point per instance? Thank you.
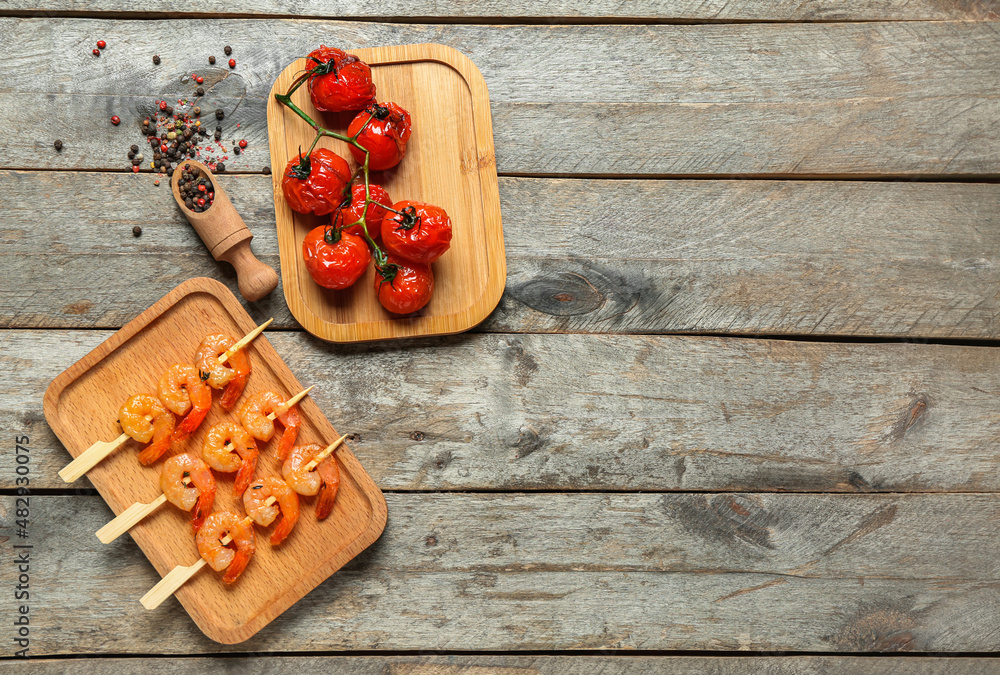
(810, 99)
(740, 257)
(81, 405)
(554, 11)
(449, 163)
(872, 573)
(577, 412)
(473, 664)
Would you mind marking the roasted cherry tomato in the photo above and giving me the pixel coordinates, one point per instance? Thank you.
(402, 286)
(384, 137)
(339, 81)
(421, 233)
(337, 264)
(315, 184)
(350, 210)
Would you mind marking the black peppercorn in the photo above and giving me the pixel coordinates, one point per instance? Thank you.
(228, 50)
(211, 59)
(266, 170)
(236, 150)
(156, 60)
(220, 167)
(131, 155)
(219, 114)
(136, 231)
(200, 91)
(57, 145)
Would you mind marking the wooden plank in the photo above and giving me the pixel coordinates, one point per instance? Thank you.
(739, 257)
(472, 664)
(828, 99)
(501, 11)
(572, 412)
(530, 572)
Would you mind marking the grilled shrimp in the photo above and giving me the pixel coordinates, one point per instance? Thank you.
(232, 376)
(145, 418)
(199, 496)
(219, 557)
(254, 501)
(253, 417)
(324, 479)
(181, 390)
(228, 447)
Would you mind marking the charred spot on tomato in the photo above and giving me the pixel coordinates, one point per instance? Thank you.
(378, 111)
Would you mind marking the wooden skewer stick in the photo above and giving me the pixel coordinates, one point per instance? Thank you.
(247, 339)
(90, 457)
(323, 455)
(125, 520)
(176, 578)
(289, 403)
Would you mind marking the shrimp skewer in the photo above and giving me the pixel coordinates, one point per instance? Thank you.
(232, 377)
(259, 501)
(210, 546)
(298, 473)
(182, 389)
(229, 448)
(143, 418)
(187, 483)
(260, 410)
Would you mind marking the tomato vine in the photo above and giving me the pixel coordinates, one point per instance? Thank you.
(302, 169)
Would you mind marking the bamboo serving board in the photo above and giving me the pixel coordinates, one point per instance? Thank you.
(81, 406)
(449, 162)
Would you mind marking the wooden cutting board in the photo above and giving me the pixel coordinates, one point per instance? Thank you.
(449, 162)
(81, 406)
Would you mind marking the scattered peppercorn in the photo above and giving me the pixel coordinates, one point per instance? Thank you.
(243, 143)
(228, 50)
(97, 52)
(220, 167)
(232, 63)
(131, 155)
(200, 79)
(156, 60)
(135, 169)
(236, 150)
(266, 170)
(200, 91)
(219, 114)
(211, 59)
(134, 148)
(136, 231)
(58, 145)
(102, 44)
(163, 105)
(116, 120)
(169, 110)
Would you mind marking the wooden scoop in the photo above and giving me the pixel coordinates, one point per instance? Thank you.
(226, 235)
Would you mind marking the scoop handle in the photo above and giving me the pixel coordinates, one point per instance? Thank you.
(254, 278)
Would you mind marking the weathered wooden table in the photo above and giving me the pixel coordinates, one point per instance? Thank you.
(742, 393)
